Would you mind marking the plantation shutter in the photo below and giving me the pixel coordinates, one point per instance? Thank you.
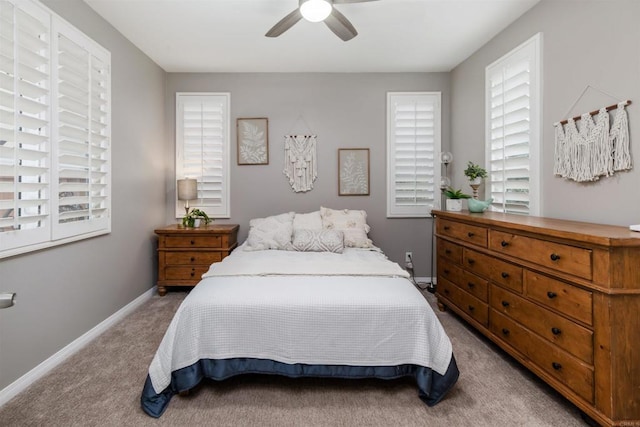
(24, 125)
(412, 143)
(512, 131)
(83, 136)
(202, 150)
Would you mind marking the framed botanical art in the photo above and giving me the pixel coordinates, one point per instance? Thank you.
(353, 171)
(253, 141)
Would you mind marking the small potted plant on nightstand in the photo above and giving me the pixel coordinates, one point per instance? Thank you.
(476, 174)
(193, 218)
(454, 199)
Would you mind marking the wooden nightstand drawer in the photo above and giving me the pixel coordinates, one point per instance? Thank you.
(563, 297)
(561, 331)
(450, 251)
(185, 273)
(188, 241)
(465, 232)
(192, 258)
(565, 258)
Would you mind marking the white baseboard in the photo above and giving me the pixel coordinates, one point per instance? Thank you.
(46, 366)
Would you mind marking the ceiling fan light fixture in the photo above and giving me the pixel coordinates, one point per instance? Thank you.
(315, 10)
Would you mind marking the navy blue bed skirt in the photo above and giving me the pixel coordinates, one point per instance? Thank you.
(432, 387)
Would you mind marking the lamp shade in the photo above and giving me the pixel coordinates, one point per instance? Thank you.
(187, 189)
(315, 10)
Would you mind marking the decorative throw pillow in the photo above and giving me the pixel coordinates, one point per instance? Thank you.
(307, 221)
(318, 241)
(273, 232)
(353, 223)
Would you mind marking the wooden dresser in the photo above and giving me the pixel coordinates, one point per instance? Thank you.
(562, 297)
(185, 254)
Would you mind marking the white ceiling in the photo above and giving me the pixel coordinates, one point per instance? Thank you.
(228, 35)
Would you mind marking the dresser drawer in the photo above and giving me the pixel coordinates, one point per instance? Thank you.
(192, 258)
(506, 275)
(562, 297)
(193, 242)
(556, 362)
(565, 258)
(449, 250)
(561, 331)
(477, 263)
(465, 302)
(185, 273)
(465, 232)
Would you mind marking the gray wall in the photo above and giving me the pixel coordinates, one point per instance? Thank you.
(65, 291)
(585, 42)
(344, 111)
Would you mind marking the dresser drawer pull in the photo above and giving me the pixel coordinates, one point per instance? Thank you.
(192, 259)
(555, 331)
(556, 366)
(505, 303)
(446, 271)
(505, 331)
(447, 251)
(470, 234)
(471, 261)
(551, 295)
(193, 273)
(470, 285)
(446, 227)
(446, 291)
(504, 243)
(554, 257)
(471, 308)
(504, 275)
(193, 242)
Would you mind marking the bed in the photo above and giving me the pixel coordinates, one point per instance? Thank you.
(347, 313)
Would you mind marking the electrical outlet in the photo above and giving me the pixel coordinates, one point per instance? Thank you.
(408, 256)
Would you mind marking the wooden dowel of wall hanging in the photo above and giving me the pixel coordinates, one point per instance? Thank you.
(594, 112)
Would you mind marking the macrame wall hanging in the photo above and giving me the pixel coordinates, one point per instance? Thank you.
(595, 148)
(300, 161)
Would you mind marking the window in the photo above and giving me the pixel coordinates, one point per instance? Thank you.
(413, 143)
(202, 149)
(513, 99)
(54, 131)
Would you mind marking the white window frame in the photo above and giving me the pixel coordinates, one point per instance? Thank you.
(213, 210)
(529, 50)
(49, 231)
(416, 209)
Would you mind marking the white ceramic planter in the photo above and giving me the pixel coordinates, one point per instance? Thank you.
(453, 205)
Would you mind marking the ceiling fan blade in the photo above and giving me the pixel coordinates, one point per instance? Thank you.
(340, 25)
(351, 1)
(284, 24)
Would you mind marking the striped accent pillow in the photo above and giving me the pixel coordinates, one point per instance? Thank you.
(305, 240)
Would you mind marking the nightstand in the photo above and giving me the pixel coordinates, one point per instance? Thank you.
(185, 254)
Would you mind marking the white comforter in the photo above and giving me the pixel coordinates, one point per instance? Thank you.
(366, 318)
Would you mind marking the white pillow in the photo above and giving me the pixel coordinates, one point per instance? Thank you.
(273, 232)
(308, 221)
(353, 223)
(318, 241)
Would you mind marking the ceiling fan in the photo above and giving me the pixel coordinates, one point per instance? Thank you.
(317, 11)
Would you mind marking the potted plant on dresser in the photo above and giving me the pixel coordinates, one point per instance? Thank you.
(454, 199)
(475, 173)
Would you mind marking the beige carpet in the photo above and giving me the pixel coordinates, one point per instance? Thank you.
(101, 386)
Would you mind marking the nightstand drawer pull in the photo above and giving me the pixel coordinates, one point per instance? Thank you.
(505, 331)
(555, 331)
(505, 303)
(556, 366)
(554, 257)
(504, 243)
(551, 295)
(504, 275)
